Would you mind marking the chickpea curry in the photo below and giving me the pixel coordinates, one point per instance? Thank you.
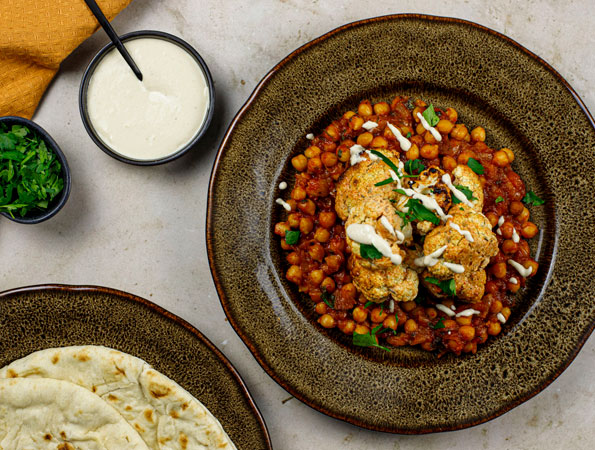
(405, 228)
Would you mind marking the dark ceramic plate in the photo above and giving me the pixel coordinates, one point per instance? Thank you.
(492, 81)
(39, 317)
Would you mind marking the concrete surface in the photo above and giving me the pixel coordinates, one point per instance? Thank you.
(142, 229)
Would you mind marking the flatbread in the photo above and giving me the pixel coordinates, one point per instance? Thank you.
(165, 415)
(44, 414)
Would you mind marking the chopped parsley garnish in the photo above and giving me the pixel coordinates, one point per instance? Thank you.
(406, 218)
(387, 161)
(475, 166)
(408, 135)
(439, 324)
(326, 298)
(292, 237)
(532, 199)
(368, 304)
(430, 116)
(30, 173)
(369, 251)
(420, 212)
(465, 190)
(446, 286)
(400, 191)
(498, 199)
(368, 339)
(389, 180)
(414, 165)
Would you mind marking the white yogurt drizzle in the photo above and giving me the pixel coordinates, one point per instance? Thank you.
(500, 221)
(466, 234)
(388, 226)
(428, 202)
(430, 260)
(445, 309)
(453, 307)
(365, 234)
(515, 236)
(501, 318)
(467, 312)
(524, 272)
(283, 185)
(427, 126)
(458, 194)
(391, 306)
(393, 175)
(310, 136)
(456, 268)
(356, 154)
(403, 141)
(513, 280)
(369, 125)
(283, 203)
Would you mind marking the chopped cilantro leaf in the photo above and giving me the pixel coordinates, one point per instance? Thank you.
(414, 165)
(408, 135)
(400, 191)
(420, 212)
(430, 116)
(292, 237)
(465, 190)
(369, 251)
(498, 199)
(447, 286)
(439, 324)
(389, 180)
(475, 166)
(368, 304)
(368, 339)
(532, 199)
(406, 219)
(326, 298)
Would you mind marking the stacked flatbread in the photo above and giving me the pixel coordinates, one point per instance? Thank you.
(93, 397)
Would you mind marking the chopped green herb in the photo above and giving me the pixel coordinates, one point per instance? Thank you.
(389, 180)
(465, 190)
(326, 298)
(498, 199)
(408, 135)
(387, 161)
(447, 286)
(390, 330)
(405, 218)
(414, 165)
(368, 304)
(430, 116)
(420, 212)
(439, 324)
(292, 237)
(475, 166)
(369, 251)
(532, 199)
(30, 173)
(400, 191)
(368, 339)
(339, 154)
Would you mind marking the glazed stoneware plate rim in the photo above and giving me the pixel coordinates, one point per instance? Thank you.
(171, 320)
(217, 264)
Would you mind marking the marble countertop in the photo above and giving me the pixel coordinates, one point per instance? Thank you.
(142, 230)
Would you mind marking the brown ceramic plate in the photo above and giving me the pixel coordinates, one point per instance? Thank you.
(39, 317)
(491, 81)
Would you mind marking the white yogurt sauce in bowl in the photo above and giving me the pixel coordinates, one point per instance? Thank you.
(152, 121)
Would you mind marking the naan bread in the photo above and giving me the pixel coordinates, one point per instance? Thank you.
(44, 414)
(165, 415)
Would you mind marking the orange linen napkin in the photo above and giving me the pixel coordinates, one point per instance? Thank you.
(35, 36)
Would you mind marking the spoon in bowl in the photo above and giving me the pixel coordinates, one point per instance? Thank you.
(113, 36)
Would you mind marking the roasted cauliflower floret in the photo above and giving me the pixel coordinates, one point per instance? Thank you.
(464, 176)
(378, 283)
(357, 184)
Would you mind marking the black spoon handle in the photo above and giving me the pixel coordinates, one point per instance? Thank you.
(113, 36)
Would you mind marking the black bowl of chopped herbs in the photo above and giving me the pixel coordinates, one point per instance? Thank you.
(34, 174)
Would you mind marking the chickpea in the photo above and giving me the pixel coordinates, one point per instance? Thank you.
(292, 204)
(347, 326)
(419, 129)
(293, 258)
(431, 313)
(449, 163)
(294, 274)
(478, 134)
(449, 323)
(410, 326)
(322, 235)
(327, 321)
(429, 151)
(470, 347)
(316, 252)
(348, 291)
(452, 114)
(321, 308)
(328, 284)
(316, 277)
(464, 156)
(306, 225)
(365, 139)
(429, 138)
(281, 228)
(315, 165)
(500, 159)
(327, 219)
(362, 329)
(408, 306)
(533, 265)
(509, 246)
(298, 193)
(343, 153)
(299, 163)
(413, 152)
(509, 153)
(513, 287)
(285, 245)
(494, 328)
(496, 307)
(329, 159)
(348, 115)
(365, 109)
(499, 270)
(378, 315)
(329, 147)
(332, 132)
(293, 220)
(356, 123)
(390, 322)
(379, 142)
(307, 206)
(507, 230)
(381, 108)
(463, 320)
(524, 215)
(515, 208)
(416, 110)
(505, 312)
(445, 126)
(333, 262)
(459, 132)
(359, 314)
(467, 332)
(312, 151)
(529, 230)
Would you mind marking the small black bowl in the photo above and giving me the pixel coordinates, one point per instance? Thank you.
(85, 85)
(58, 202)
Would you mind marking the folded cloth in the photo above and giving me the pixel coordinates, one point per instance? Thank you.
(35, 37)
